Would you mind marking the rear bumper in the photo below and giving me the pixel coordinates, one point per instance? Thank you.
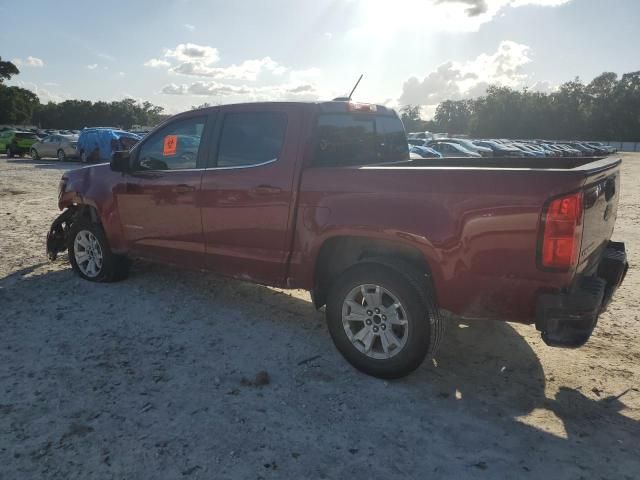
(568, 319)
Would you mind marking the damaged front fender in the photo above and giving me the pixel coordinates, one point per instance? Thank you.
(58, 233)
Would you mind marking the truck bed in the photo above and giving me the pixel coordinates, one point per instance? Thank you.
(547, 163)
(476, 221)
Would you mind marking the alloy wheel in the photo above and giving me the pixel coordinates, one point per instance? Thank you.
(375, 321)
(88, 253)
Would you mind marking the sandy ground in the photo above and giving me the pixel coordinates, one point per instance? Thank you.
(144, 378)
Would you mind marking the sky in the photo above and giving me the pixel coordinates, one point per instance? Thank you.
(181, 53)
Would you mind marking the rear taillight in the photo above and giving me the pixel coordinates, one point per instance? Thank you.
(562, 232)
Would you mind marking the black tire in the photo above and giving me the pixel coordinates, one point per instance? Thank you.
(413, 290)
(62, 157)
(34, 154)
(114, 267)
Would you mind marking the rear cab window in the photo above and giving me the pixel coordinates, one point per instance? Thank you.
(352, 139)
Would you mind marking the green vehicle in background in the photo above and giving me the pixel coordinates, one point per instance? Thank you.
(16, 142)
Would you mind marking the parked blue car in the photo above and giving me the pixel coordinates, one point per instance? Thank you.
(97, 144)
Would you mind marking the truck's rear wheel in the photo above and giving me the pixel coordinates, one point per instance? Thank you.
(382, 318)
(90, 255)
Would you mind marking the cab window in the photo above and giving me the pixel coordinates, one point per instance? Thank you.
(175, 147)
(251, 138)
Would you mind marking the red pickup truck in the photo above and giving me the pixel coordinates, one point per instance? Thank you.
(323, 197)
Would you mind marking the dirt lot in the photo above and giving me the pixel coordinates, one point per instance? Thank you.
(144, 378)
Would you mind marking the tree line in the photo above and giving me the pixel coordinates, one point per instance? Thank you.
(607, 108)
(19, 106)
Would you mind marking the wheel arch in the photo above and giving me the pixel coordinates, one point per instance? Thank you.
(338, 253)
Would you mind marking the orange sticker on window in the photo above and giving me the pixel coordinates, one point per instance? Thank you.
(170, 145)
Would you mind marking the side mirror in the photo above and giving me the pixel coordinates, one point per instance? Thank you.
(120, 161)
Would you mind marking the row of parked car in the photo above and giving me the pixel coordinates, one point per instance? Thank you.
(463, 147)
(88, 145)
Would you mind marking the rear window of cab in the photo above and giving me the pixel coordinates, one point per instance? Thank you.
(351, 139)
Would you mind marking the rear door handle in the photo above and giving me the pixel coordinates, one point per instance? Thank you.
(184, 188)
(266, 190)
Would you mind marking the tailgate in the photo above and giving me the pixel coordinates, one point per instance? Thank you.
(601, 194)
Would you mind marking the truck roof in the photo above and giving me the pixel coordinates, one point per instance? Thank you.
(328, 106)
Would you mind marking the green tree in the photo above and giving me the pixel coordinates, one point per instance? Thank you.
(627, 106)
(454, 116)
(17, 105)
(410, 116)
(7, 70)
(76, 114)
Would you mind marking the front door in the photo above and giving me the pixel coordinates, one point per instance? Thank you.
(158, 203)
(247, 192)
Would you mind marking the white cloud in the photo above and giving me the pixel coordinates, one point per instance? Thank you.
(106, 56)
(244, 92)
(28, 62)
(173, 89)
(190, 52)
(121, 74)
(189, 27)
(93, 66)
(457, 80)
(302, 76)
(267, 79)
(442, 15)
(156, 62)
(43, 94)
(248, 70)
(34, 62)
(328, 35)
(544, 87)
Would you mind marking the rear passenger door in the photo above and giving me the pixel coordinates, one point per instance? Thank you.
(247, 191)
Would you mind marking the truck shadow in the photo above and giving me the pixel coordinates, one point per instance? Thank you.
(160, 332)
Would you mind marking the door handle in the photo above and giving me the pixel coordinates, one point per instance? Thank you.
(266, 190)
(184, 188)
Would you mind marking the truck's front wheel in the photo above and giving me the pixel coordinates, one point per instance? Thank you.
(382, 318)
(90, 255)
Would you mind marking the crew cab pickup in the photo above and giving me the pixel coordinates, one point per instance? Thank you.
(323, 197)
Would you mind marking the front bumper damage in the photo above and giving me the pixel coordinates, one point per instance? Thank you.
(58, 233)
(568, 319)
